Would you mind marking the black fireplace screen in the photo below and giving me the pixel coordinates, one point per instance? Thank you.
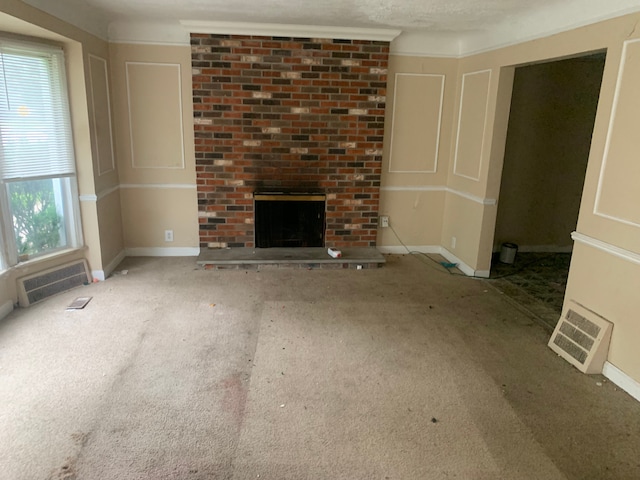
(289, 220)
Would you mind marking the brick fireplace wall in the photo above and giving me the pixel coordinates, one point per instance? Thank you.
(288, 114)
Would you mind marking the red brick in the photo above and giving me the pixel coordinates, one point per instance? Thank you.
(319, 133)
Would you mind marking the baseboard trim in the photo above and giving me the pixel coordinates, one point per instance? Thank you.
(621, 379)
(101, 275)
(543, 249)
(162, 252)
(5, 309)
(463, 267)
(114, 263)
(401, 250)
(436, 249)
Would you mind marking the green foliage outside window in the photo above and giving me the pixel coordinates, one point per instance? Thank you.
(35, 218)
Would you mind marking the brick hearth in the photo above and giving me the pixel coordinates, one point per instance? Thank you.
(283, 114)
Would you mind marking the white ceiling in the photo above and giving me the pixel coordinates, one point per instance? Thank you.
(453, 26)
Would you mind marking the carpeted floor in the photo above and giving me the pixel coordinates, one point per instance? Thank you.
(403, 372)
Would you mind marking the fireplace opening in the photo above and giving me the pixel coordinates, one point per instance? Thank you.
(289, 220)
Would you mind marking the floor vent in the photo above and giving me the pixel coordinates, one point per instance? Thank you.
(582, 338)
(41, 285)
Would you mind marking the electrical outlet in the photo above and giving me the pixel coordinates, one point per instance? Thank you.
(384, 221)
(168, 235)
(453, 242)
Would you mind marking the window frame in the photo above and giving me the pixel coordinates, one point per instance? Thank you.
(72, 223)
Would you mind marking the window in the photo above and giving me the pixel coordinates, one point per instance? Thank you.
(38, 192)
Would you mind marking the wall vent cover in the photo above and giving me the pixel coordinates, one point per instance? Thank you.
(582, 338)
(44, 284)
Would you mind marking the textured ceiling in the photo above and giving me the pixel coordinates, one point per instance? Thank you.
(466, 24)
(408, 15)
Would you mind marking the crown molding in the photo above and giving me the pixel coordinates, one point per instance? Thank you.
(426, 44)
(565, 16)
(286, 30)
(84, 17)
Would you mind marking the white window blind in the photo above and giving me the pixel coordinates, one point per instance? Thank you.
(34, 120)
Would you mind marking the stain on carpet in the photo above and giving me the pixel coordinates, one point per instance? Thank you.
(235, 396)
(65, 472)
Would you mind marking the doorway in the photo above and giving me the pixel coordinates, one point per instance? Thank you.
(553, 109)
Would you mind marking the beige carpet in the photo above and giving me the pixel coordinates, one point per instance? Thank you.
(403, 372)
